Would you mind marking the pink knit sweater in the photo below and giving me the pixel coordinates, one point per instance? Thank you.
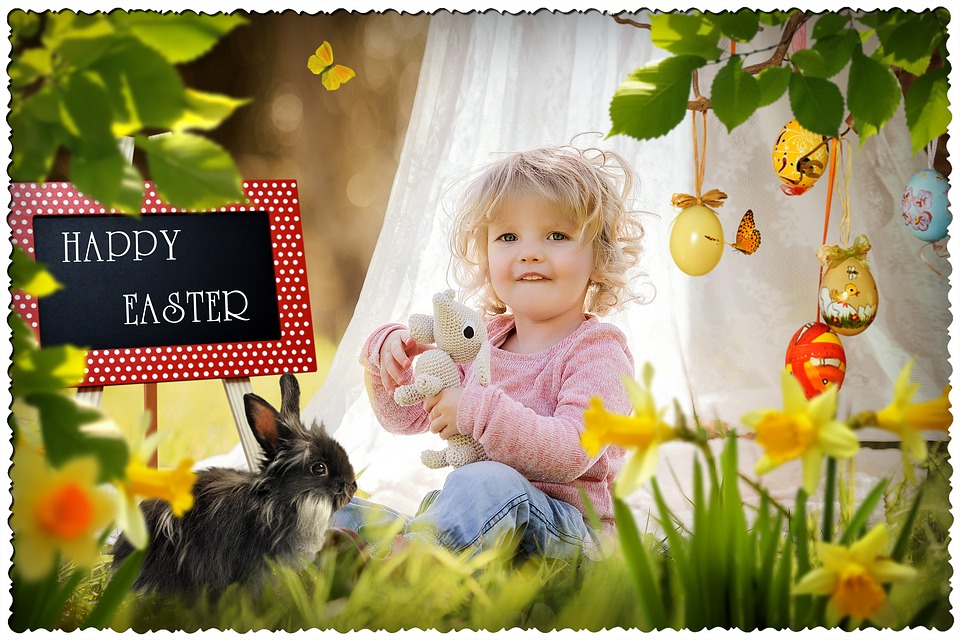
(531, 415)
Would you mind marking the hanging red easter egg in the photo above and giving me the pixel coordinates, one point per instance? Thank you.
(691, 245)
(798, 159)
(816, 358)
(848, 297)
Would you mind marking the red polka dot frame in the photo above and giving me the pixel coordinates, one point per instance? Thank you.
(293, 352)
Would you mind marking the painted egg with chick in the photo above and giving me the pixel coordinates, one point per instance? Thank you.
(849, 297)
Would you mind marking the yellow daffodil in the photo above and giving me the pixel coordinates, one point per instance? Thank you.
(643, 431)
(56, 510)
(853, 576)
(171, 485)
(805, 429)
(908, 420)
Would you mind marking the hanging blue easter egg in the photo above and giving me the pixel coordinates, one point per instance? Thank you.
(925, 206)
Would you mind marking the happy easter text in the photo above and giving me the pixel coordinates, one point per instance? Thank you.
(137, 309)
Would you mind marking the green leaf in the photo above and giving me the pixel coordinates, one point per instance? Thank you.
(47, 369)
(145, 90)
(117, 589)
(735, 95)
(828, 56)
(913, 38)
(875, 18)
(179, 37)
(30, 65)
(798, 530)
(101, 172)
(34, 143)
(653, 98)
(78, 39)
(817, 104)
(192, 172)
(773, 18)
(927, 107)
(29, 276)
(206, 111)
(773, 82)
(780, 611)
(873, 93)
(828, 24)
(683, 34)
(60, 421)
(859, 519)
(648, 594)
(741, 25)
(86, 107)
(916, 67)
(23, 24)
(906, 532)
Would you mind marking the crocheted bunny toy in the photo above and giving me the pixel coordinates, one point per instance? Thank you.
(461, 336)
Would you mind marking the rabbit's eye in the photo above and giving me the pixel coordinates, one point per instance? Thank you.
(319, 469)
(469, 331)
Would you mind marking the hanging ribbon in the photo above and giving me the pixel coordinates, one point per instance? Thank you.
(832, 255)
(940, 246)
(713, 197)
(939, 249)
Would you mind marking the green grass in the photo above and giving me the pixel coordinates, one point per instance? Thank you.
(421, 588)
(430, 588)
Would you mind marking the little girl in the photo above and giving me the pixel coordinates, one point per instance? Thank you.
(544, 239)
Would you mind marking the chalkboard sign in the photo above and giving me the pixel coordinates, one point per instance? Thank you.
(170, 295)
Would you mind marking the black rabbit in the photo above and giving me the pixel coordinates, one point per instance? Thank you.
(240, 519)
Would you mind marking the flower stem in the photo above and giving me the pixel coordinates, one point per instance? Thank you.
(829, 489)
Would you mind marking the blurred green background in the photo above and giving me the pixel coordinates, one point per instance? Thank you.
(342, 148)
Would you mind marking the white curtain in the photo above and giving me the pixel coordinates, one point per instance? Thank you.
(499, 83)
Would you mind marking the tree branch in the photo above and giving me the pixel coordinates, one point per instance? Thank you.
(789, 30)
(632, 23)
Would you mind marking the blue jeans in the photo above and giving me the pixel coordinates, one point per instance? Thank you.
(482, 505)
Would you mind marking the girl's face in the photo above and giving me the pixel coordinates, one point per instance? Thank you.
(538, 265)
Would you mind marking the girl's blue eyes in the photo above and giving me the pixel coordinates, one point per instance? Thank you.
(554, 235)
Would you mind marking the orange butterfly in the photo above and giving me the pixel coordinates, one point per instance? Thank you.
(748, 236)
(332, 75)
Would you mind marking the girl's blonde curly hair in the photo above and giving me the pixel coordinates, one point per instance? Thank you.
(589, 186)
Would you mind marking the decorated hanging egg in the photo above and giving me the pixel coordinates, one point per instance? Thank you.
(925, 210)
(848, 297)
(798, 159)
(816, 358)
(691, 243)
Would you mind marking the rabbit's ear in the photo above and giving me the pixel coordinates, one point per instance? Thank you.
(265, 423)
(290, 400)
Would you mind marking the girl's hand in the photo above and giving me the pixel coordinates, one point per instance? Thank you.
(396, 355)
(442, 409)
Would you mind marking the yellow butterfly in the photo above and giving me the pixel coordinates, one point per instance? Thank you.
(332, 75)
(748, 236)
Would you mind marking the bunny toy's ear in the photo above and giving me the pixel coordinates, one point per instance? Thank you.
(481, 364)
(265, 423)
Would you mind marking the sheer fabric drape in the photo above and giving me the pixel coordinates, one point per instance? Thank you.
(498, 83)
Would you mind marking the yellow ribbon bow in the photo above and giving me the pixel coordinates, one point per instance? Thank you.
(713, 198)
(832, 255)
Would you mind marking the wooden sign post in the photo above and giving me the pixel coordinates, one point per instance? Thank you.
(171, 295)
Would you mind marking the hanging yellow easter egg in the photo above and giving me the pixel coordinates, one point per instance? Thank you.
(848, 297)
(690, 244)
(797, 158)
